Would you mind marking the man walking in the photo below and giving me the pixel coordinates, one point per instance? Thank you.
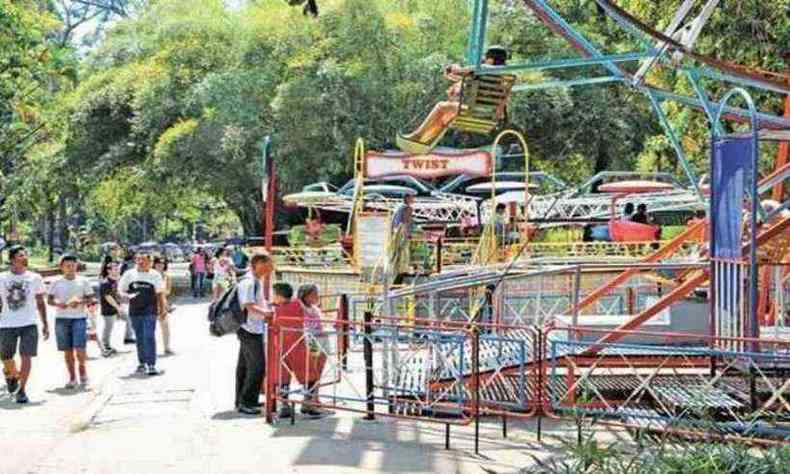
(144, 288)
(21, 293)
(70, 294)
(250, 369)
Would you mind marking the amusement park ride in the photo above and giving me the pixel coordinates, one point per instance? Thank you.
(683, 333)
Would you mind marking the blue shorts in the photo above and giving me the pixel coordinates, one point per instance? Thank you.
(71, 333)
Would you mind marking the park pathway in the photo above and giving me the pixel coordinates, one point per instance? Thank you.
(184, 422)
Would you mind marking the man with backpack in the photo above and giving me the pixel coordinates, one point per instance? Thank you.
(253, 299)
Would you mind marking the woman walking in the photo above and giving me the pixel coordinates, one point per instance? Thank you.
(224, 274)
(110, 305)
(160, 265)
(198, 269)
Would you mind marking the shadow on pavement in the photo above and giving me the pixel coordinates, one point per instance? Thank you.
(67, 392)
(233, 415)
(134, 376)
(11, 404)
(365, 438)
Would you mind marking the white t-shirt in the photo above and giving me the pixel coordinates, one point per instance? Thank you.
(145, 286)
(65, 291)
(221, 270)
(247, 295)
(18, 294)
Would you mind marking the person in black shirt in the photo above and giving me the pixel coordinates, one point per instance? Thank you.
(144, 288)
(628, 212)
(640, 216)
(110, 306)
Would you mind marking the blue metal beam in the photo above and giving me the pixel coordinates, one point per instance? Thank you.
(707, 105)
(673, 139)
(741, 81)
(590, 48)
(570, 83)
(570, 62)
(763, 119)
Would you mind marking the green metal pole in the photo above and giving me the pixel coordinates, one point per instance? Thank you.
(675, 143)
(477, 36)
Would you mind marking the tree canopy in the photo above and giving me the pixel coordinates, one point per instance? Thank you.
(165, 113)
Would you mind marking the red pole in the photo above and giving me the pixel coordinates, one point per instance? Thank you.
(269, 210)
(781, 158)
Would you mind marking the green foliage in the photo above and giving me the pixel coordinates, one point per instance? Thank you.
(173, 102)
(667, 458)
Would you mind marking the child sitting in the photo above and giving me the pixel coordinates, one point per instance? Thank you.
(435, 125)
(297, 359)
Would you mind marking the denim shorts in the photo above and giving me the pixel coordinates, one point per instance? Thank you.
(71, 333)
(25, 337)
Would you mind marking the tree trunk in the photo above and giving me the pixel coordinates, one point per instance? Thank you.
(51, 232)
(602, 161)
(63, 225)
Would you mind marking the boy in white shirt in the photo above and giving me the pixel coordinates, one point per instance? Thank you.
(21, 294)
(70, 295)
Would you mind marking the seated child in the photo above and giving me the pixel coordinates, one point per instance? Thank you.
(435, 125)
(299, 360)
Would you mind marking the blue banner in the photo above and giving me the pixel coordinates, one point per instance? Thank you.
(732, 164)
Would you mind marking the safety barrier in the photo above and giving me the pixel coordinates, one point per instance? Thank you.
(456, 373)
(689, 385)
(433, 255)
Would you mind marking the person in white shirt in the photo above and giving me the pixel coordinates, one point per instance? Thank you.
(21, 293)
(70, 295)
(251, 366)
(144, 288)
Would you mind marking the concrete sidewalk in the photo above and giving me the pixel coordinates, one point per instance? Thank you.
(184, 421)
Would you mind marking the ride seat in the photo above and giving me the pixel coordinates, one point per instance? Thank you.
(483, 102)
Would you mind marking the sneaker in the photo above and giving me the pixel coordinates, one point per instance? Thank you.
(21, 397)
(106, 353)
(152, 370)
(285, 411)
(12, 385)
(140, 369)
(311, 411)
(84, 383)
(249, 410)
(168, 352)
(129, 341)
(70, 385)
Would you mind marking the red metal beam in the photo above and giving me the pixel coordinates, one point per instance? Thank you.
(667, 250)
(782, 158)
(680, 292)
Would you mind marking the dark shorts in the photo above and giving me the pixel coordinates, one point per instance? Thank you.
(25, 337)
(71, 333)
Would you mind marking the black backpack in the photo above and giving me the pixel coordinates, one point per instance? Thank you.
(225, 316)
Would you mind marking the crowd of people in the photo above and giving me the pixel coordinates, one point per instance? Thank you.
(303, 344)
(136, 292)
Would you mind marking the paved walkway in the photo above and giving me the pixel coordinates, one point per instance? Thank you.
(183, 421)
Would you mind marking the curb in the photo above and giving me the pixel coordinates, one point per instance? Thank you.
(107, 388)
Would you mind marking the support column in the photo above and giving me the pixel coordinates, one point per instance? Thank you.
(675, 143)
(781, 158)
